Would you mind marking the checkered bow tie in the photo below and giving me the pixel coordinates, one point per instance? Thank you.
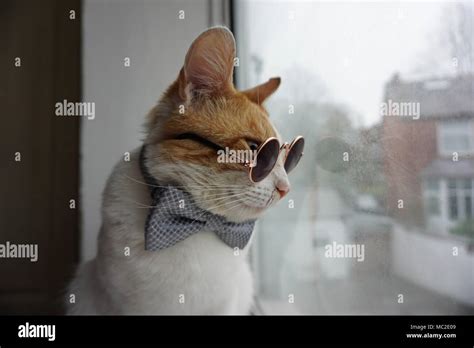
(174, 216)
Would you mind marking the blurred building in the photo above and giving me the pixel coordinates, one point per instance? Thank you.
(428, 143)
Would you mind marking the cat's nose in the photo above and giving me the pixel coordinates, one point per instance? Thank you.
(283, 187)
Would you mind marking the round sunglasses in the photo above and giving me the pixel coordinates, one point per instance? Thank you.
(266, 156)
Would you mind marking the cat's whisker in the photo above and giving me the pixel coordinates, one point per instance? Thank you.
(142, 205)
(257, 195)
(215, 188)
(239, 200)
(232, 207)
(198, 176)
(259, 198)
(206, 177)
(205, 174)
(224, 191)
(201, 176)
(221, 198)
(147, 184)
(198, 186)
(214, 207)
(215, 199)
(220, 191)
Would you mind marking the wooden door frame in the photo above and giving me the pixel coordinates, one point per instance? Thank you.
(48, 38)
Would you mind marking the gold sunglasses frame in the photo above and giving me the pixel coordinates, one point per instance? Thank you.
(286, 145)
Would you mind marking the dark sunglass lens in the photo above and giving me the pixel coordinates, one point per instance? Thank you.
(294, 155)
(266, 160)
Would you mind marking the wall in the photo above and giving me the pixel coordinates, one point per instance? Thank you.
(155, 40)
(429, 262)
(408, 147)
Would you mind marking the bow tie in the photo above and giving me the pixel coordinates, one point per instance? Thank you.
(174, 216)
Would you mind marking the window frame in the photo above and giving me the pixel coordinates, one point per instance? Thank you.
(262, 306)
(460, 193)
(430, 193)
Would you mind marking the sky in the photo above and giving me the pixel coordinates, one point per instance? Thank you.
(352, 48)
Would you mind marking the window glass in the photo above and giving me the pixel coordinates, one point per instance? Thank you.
(433, 206)
(453, 207)
(468, 206)
(375, 88)
(452, 183)
(432, 184)
(467, 183)
(455, 142)
(456, 136)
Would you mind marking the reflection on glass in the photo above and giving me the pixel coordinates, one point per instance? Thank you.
(379, 218)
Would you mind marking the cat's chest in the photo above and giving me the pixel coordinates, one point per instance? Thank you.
(204, 251)
(201, 274)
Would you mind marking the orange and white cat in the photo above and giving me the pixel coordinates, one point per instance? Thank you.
(201, 274)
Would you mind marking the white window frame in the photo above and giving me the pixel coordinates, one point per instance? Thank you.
(429, 193)
(460, 193)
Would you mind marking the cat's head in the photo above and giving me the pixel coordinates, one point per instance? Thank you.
(203, 102)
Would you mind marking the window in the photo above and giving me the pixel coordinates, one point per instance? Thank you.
(468, 193)
(433, 206)
(456, 136)
(432, 197)
(453, 206)
(460, 199)
(432, 185)
(351, 236)
(468, 206)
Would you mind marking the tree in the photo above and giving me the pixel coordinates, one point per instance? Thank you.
(457, 35)
(452, 48)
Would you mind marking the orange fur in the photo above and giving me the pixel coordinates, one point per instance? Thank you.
(213, 108)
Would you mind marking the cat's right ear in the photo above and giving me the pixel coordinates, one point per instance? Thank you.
(209, 64)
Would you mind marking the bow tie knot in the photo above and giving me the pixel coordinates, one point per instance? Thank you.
(174, 216)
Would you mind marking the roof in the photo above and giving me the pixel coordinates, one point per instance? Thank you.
(438, 97)
(464, 168)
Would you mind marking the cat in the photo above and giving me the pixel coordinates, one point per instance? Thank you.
(200, 274)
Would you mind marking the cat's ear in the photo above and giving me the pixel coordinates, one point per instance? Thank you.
(261, 92)
(209, 63)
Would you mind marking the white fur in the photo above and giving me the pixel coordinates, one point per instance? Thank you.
(201, 270)
(206, 271)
